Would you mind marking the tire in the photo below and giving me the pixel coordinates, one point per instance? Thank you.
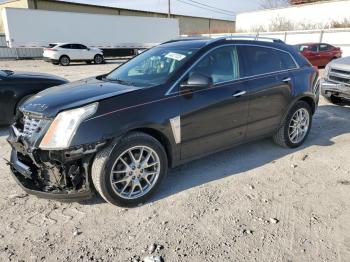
(98, 59)
(113, 158)
(284, 135)
(64, 60)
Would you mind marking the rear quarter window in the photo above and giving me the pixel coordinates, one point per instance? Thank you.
(257, 60)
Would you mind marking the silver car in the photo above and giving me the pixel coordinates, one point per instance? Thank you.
(336, 83)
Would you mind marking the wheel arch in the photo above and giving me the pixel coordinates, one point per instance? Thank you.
(161, 137)
(63, 56)
(305, 98)
(310, 102)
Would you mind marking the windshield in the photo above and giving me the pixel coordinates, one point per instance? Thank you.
(151, 68)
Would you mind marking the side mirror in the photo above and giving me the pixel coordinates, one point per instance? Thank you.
(197, 81)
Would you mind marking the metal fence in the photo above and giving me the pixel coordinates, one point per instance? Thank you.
(18, 53)
(337, 37)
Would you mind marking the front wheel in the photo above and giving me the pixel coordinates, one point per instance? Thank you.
(295, 127)
(127, 173)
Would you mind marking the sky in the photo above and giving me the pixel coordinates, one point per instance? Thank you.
(219, 9)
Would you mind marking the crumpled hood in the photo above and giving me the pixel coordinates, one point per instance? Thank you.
(341, 63)
(55, 99)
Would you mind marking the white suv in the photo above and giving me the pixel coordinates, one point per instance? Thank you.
(64, 53)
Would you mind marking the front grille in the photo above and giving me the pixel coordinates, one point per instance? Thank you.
(339, 79)
(31, 125)
(340, 71)
(339, 76)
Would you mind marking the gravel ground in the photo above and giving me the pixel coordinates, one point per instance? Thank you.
(256, 202)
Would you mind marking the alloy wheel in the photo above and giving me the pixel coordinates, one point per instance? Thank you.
(98, 59)
(299, 125)
(135, 172)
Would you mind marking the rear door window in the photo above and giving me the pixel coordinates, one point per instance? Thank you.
(313, 48)
(75, 46)
(67, 46)
(324, 47)
(256, 60)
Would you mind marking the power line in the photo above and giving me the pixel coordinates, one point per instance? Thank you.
(205, 8)
(219, 9)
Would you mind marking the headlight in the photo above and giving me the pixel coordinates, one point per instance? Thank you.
(63, 128)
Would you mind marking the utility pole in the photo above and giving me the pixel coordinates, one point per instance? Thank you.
(169, 9)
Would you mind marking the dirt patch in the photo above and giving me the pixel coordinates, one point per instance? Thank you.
(256, 202)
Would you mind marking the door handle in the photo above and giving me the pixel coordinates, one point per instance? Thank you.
(239, 93)
(286, 80)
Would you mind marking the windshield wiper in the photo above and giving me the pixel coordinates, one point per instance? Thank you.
(120, 81)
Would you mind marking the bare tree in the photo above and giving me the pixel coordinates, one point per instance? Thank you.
(266, 4)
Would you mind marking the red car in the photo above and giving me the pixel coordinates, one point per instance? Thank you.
(319, 54)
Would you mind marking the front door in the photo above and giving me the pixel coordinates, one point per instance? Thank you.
(215, 117)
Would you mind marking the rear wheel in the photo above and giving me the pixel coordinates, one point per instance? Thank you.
(129, 172)
(64, 60)
(295, 127)
(98, 59)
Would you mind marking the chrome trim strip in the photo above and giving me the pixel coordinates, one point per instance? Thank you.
(169, 92)
(176, 128)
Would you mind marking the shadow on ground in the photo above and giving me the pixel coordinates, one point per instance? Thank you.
(328, 123)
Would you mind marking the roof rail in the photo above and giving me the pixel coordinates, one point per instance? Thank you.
(187, 38)
(251, 38)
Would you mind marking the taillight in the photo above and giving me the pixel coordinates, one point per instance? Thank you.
(50, 49)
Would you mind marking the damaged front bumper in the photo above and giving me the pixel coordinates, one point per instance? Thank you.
(329, 88)
(60, 175)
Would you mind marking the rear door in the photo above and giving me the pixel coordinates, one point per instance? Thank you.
(267, 76)
(77, 52)
(313, 55)
(214, 118)
(67, 50)
(326, 54)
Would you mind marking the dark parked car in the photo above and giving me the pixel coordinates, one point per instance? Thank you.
(173, 103)
(16, 87)
(319, 54)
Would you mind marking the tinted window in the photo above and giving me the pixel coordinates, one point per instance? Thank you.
(66, 46)
(303, 47)
(83, 47)
(75, 46)
(287, 61)
(313, 48)
(261, 60)
(324, 47)
(220, 64)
